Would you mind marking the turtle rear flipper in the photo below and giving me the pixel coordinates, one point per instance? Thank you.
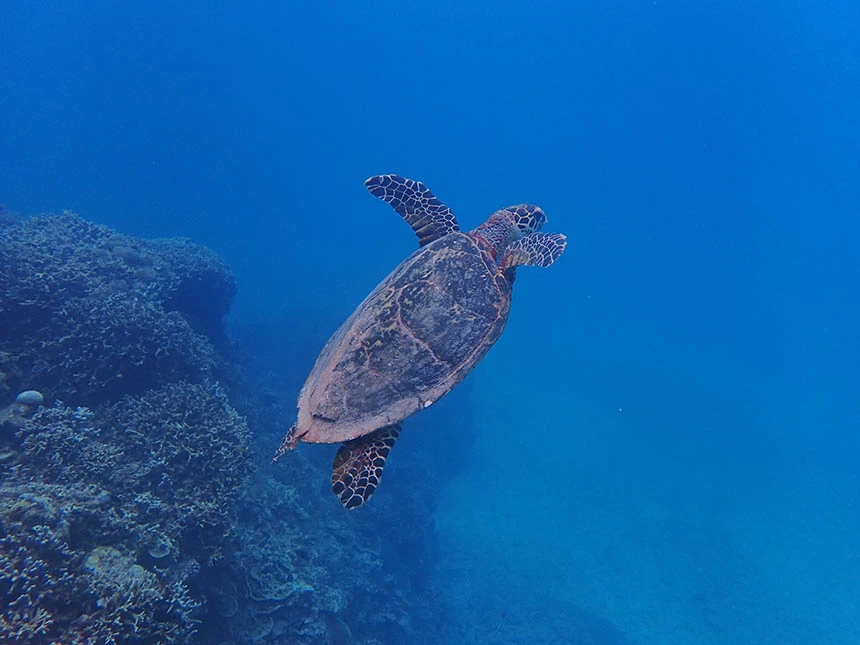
(290, 441)
(535, 249)
(413, 201)
(357, 468)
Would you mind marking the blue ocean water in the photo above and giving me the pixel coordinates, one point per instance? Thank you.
(663, 443)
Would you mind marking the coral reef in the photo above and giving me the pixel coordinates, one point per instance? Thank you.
(304, 571)
(109, 514)
(56, 592)
(105, 522)
(134, 507)
(90, 315)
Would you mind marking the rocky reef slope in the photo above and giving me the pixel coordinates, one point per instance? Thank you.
(137, 505)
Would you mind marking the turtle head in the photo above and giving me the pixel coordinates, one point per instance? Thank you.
(526, 217)
(508, 225)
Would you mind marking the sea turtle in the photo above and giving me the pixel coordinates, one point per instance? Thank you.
(417, 334)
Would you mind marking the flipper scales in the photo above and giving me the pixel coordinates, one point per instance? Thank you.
(535, 249)
(413, 201)
(357, 468)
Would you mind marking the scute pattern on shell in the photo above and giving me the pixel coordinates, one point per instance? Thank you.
(421, 330)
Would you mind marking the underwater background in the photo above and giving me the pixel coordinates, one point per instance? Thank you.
(662, 446)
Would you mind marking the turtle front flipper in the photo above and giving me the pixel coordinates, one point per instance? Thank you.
(357, 468)
(413, 201)
(535, 249)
